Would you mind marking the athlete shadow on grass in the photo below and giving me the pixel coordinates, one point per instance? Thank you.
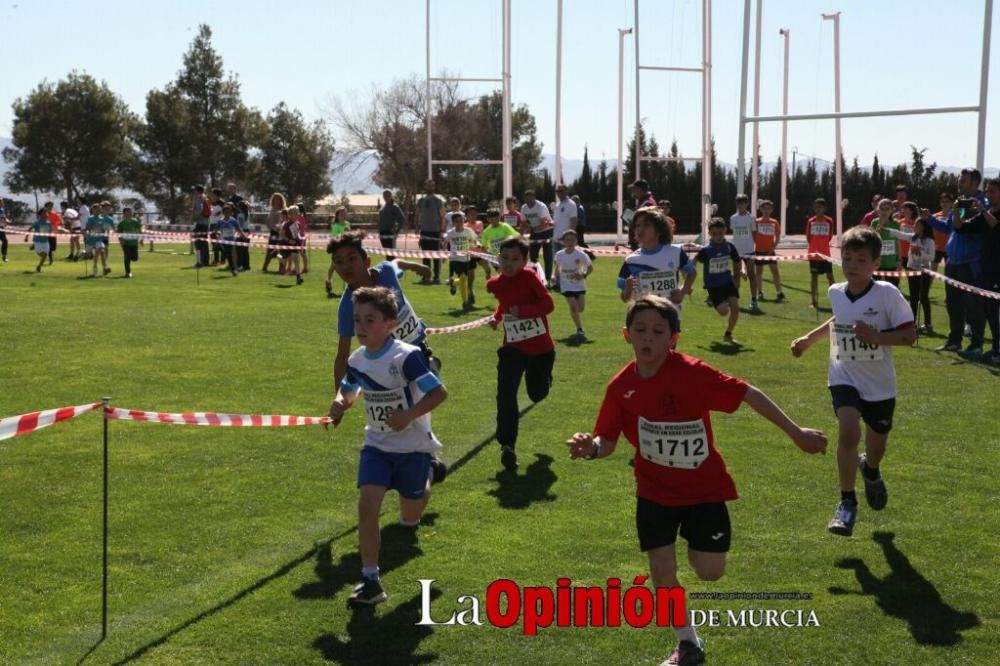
(374, 638)
(280, 572)
(727, 348)
(574, 341)
(521, 491)
(399, 546)
(906, 594)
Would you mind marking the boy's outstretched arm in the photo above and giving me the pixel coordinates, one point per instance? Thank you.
(341, 403)
(800, 345)
(419, 269)
(807, 439)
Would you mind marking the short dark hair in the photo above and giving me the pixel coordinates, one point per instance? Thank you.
(665, 308)
(913, 208)
(515, 242)
(742, 198)
(527, 192)
(717, 223)
(862, 238)
(659, 221)
(973, 173)
(820, 202)
(569, 232)
(949, 195)
(664, 203)
(492, 213)
(902, 188)
(353, 239)
(380, 298)
(641, 183)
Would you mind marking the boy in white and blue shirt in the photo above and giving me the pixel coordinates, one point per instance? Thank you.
(40, 241)
(398, 454)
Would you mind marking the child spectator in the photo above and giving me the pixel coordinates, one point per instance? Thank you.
(819, 231)
(869, 316)
(765, 243)
(743, 226)
(399, 392)
(527, 350)
(920, 240)
(884, 224)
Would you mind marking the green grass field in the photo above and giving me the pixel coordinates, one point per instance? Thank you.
(238, 546)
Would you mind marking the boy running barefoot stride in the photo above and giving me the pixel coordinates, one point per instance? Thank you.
(661, 403)
(869, 317)
(400, 391)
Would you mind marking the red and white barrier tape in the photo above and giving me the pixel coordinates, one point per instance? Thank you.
(14, 426)
(214, 418)
(459, 327)
(985, 293)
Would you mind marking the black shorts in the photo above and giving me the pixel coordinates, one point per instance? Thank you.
(704, 526)
(573, 294)
(939, 256)
(876, 414)
(820, 267)
(459, 267)
(131, 252)
(719, 295)
(769, 253)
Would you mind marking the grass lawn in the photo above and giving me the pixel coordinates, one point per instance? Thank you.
(237, 546)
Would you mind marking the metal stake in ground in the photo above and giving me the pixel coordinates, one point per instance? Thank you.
(106, 402)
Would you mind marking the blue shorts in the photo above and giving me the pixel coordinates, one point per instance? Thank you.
(404, 472)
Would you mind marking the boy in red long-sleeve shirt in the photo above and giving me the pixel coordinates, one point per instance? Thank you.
(527, 348)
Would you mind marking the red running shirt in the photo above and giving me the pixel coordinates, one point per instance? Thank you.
(819, 231)
(670, 410)
(526, 291)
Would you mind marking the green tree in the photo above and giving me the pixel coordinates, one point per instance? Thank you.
(67, 136)
(221, 129)
(295, 157)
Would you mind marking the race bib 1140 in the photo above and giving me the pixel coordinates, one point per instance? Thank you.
(682, 445)
(845, 346)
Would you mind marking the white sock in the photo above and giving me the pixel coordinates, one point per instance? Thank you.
(687, 633)
(369, 572)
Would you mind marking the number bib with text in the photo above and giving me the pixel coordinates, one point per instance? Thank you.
(821, 229)
(765, 229)
(845, 346)
(683, 445)
(522, 329)
(888, 247)
(408, 327)
(741, 232)
(660, 283)
(717, 265)
(379, 406)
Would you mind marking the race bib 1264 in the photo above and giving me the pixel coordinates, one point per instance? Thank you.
(379, 406)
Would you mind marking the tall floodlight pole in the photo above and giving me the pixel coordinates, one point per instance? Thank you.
(427, 107)
(741, 141)
(638, 125)
(706, 104)
(621, 129)
(755, 167)
(984, 86)
(785, 33)
(559, 32)
(836, 107)
(508, 139)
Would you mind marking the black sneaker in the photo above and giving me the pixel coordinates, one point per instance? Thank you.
(686, 654)
(949, 347)
(299, 279)
(875, 493)
(843, 519)
(439, 469)
(508, 458)
(472, 297)
(451, 286)
(434, 363)
(760, 295)
(972, 351)
(727, 336)
(780, 297)
(107, 270)
(367, 593)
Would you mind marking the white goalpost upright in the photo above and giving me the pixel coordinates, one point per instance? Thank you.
(506, 158)
(837, 114)
(705, 159)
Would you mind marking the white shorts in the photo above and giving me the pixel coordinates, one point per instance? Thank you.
(41, 247)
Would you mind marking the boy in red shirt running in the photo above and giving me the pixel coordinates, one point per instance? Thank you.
(819, 231)
(661, 403)
(527, 348)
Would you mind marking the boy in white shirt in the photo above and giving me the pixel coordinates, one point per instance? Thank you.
(461, 239)
(400, 391)
(743, 227)
(869, 316)
(572, 268)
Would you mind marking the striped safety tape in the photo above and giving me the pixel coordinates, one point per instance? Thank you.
(14, 426)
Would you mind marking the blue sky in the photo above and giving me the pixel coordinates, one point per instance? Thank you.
(305, 51)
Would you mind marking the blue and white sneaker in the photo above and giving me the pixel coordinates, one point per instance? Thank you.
(843, 519)
(875, 492)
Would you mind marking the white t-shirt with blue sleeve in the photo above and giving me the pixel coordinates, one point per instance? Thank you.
(409, 327)
(394, 378)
